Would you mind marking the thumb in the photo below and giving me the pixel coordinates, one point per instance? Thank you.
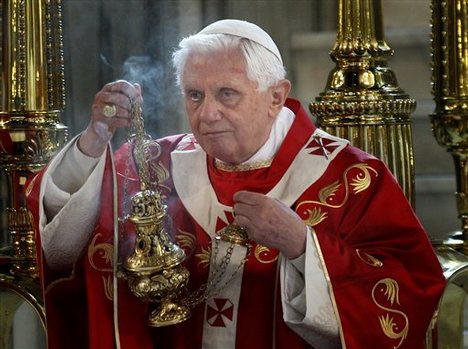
(137, 87)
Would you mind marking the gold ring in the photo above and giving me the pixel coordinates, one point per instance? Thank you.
(109, 110)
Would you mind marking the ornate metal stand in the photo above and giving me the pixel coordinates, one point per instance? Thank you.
(362, 101)
(450, 128)
(32, 98)
(450, 89)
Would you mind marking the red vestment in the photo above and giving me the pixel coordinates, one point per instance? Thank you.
(384, 277)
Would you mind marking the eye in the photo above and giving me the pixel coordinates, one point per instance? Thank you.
(194, 96)
(227, 94)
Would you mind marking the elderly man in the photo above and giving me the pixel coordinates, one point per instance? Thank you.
(338, 258)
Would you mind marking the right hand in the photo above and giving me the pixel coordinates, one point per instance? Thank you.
(94, 139)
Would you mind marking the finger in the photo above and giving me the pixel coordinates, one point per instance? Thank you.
(137, 87)
(120, 119)
(242, 209)
(119, 100)
(243, 221)
(132, 92)
(248, 197)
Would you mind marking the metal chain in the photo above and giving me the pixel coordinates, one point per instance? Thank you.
(141, 139)
(211, 287)
(134, 131)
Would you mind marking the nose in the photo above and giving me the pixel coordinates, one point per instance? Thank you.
(210, 109)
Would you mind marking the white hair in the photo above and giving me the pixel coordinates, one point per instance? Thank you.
(262, 65)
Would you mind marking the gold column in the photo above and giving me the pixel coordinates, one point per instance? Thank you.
(450, 90)
(362, 101)
(32, 99)
(450, 127)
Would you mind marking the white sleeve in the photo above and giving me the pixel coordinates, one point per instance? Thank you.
(69, 205)
(306, 300)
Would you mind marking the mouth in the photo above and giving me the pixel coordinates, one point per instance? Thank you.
(214, 133)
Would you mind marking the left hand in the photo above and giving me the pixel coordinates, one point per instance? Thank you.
(271, 223)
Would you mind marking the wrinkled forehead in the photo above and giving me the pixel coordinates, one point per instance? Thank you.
(215, 66)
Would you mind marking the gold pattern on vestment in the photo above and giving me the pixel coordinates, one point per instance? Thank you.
(158, 173)
(315, 216)
(327, 195)
(187, 241)
(103, 251)
(108, 287)
(204, 257)
(359, 183)
(261, 251)
(389, 289)
(369, 259)
(242, 167)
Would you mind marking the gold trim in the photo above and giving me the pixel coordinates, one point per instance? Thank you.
(242, 167)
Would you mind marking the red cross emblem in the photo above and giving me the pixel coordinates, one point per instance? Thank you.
(321, 146)
(219, 311)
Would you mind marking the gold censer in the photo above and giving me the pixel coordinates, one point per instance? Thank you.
(154, 270)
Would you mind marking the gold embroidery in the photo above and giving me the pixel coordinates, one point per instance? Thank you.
(315, 216)
(327, 196)
(259, 250)
(158, 173)
(204, 257)
(389, 289)
(242, 167)
(187, 241)
(108, 287)
(369, 259)
(362, 180)
(105, 252)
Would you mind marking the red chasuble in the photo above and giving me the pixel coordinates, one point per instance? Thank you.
(384, 277)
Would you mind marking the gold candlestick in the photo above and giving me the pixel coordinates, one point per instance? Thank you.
(450, 90)
(32, 99)
(362, 101)
(449, 124)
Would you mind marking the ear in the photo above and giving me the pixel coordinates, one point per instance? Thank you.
(279, 93)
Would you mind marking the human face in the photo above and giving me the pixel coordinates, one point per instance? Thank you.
(229, 117)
